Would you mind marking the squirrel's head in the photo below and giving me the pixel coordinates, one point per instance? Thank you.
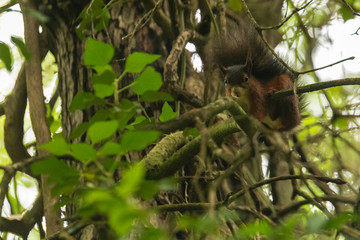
(237, 84)
(236, 76)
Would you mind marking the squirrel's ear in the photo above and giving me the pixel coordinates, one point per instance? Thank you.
(248, 63)
(223, 69)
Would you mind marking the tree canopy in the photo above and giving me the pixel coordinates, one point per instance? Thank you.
(138, 141)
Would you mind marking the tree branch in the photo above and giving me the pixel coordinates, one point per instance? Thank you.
(37, 108)
(330, 65)
(167, 167)
(316, 86)
(15, 106)
(351, 8)
(184, 155)
(188, 118)
(2, 109)
(238, 194)
(160, 18)
(170, 68)
(6, 7)
(141, 23)
(23, 226)
(287, 18)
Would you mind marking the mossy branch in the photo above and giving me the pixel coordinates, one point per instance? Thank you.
(161, 163)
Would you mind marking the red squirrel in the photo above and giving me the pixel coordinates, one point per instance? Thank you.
(252, 74)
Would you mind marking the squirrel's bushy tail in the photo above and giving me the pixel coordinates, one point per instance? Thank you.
(242, 45)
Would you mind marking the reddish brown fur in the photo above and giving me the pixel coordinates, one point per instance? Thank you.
(287, 108)
(258, 99)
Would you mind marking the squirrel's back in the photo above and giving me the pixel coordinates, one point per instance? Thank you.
(242, 45)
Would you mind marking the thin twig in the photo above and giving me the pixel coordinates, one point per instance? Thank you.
(286, 19)
(6, 7)
(330, 65)
(145, 19)
(356, 32)
(316, 87)
(281, 178)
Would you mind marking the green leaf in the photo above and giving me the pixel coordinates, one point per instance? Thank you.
(21, 46)
(138, 122)
(102, 130)
(110, 148)
(83, 100)
(100, 115)
(235, 5)
(341, 123)
(191, 132)
(57, 147)
(104, 83)
(97, 53)
(111, 163)
(319, 19)
(337, 96)
(132, 180)
(37, 15)
(149, 80)
(103, 90)
(83, 152)
(14, 203)
(153, 233)
(79, 130)
(126, 215)
(106, 77)
(346, 13)
(55, 125)
(136, 62)
(64, 176)
(316, 222)
(93, 14)
(148, 189)
(124, 112)
(167, 113)
(138, 140)
(357, 5)
(5, 55)
(154, 96)
(101, 69)
(339, 220)
(205, 224)
(104, 20)
(251, 230)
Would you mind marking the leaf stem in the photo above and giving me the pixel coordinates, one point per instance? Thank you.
(116, 83)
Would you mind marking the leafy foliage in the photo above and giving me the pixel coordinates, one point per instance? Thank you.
(119, 201)
(137, 61)
(22, 47)
(167, 113)
(97, 53)
(5, 55)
